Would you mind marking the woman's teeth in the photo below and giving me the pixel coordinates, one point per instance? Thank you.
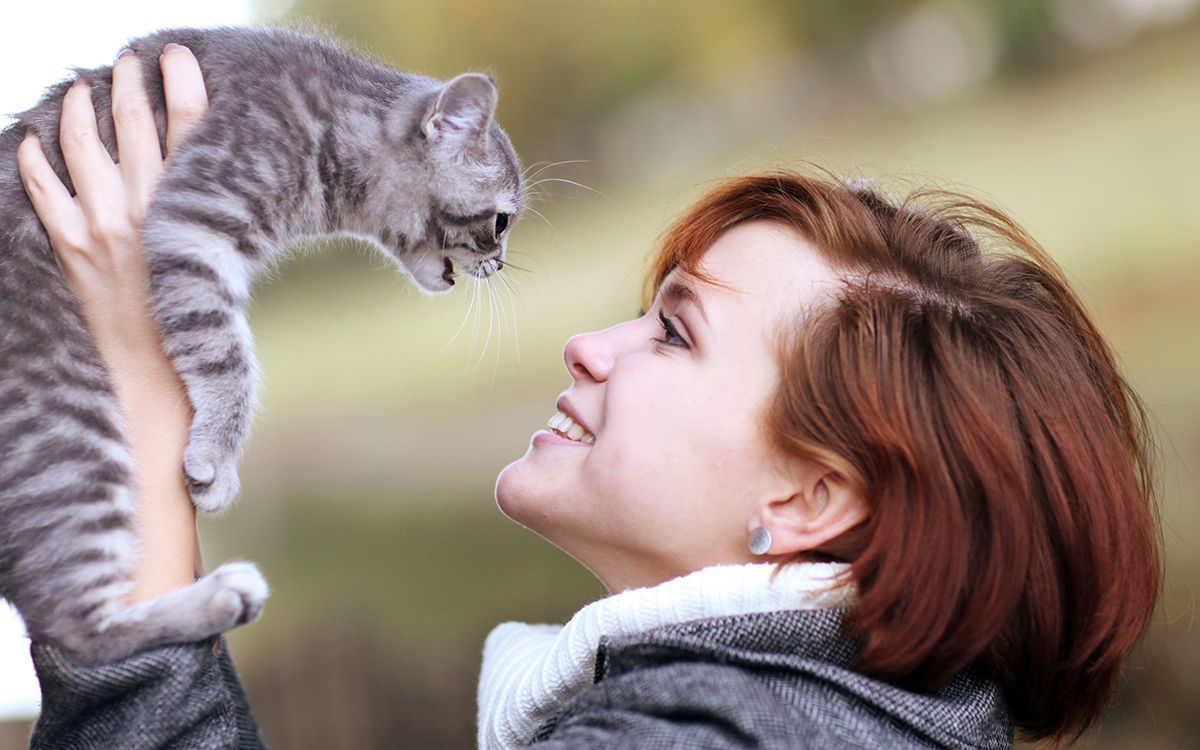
(565, 426)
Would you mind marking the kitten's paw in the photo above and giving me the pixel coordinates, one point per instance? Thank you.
(212, 483)
(241, 592)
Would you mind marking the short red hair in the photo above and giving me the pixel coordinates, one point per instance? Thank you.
(960, 384)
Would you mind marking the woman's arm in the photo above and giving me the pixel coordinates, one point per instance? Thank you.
(176, 696)
(95, 235)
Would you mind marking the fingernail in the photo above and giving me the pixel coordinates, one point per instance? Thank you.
(171, 46)
(124, 52)
(30, 133)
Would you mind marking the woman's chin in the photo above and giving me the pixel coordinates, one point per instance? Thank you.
(527, 496)
(514, 487)
(534, 480)
(503, 489)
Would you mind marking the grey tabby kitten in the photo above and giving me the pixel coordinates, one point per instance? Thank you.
(301, 138)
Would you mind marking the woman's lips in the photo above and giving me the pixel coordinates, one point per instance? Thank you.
(547, 437)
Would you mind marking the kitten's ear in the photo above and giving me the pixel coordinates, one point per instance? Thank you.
(462, 112)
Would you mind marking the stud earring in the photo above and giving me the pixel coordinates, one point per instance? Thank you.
(760, 541)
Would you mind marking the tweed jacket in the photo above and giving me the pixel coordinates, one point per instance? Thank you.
(767, 680)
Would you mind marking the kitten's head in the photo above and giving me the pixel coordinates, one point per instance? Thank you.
(472, 186)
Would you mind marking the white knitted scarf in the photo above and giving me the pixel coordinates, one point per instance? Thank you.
(530, 671)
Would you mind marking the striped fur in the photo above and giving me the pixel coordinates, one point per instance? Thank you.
(301, 138)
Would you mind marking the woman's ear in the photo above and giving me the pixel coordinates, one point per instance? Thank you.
(821, 508)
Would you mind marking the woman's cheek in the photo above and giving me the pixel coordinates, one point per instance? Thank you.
(615, 481)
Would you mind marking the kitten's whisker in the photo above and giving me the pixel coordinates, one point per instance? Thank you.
(539, 181)
(531, 180)
(511, 283)
(551, 165)
(500, 316)
(535, 165)
(482, 305)
(491, 321)
(470, 307)
(562, 285)
(477, 305)
(479, 314)
(512, 296)
(569, 182)
(505, 310)
(512, 306)
(499, 328)
(535, 197)
(542, 216)
(545, 196)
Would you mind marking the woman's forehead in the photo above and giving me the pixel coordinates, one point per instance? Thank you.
(757, 261)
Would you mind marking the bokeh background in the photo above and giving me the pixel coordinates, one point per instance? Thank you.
(386, 415)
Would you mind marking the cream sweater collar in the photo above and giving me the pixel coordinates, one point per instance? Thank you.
(530, 671)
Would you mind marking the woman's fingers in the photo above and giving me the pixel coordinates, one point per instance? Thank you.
(187, 100)
(59, 213)
(97, 180)
(137, 136)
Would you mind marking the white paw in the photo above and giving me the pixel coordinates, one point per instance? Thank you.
(241, 592)
(212, 483)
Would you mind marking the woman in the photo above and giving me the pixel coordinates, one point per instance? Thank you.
(864, 475)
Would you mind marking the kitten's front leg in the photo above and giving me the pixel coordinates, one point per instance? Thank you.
(198, 283)
(222, 391)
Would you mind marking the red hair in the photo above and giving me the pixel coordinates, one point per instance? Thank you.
(959, 383)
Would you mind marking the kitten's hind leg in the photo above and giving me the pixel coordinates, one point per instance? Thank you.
(231, 595)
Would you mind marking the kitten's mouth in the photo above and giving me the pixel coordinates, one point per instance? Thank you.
(427, 273)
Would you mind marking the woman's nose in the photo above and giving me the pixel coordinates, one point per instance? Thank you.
(588, 356)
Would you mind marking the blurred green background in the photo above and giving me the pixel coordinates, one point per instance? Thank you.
(368, 484)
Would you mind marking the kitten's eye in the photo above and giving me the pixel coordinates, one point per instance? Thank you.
(501, 223)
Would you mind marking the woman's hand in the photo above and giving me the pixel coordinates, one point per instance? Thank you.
(96, 236)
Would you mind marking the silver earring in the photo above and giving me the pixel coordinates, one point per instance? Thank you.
(760, 541)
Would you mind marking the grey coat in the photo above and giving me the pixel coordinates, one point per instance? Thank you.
(768, 680)
(773, 680)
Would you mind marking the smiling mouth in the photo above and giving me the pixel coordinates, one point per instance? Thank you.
(563, 425)
(448, 271)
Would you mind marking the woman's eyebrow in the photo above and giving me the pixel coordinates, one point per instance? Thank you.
(676, 291)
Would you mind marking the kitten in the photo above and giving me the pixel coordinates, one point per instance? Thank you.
(301, 138)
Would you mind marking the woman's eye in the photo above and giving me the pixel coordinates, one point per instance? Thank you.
(501, 223)
(670, 336)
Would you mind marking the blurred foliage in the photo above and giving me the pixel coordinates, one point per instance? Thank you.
(564, 67)
(573, 61)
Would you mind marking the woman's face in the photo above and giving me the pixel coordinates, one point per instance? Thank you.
(680, 460)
